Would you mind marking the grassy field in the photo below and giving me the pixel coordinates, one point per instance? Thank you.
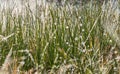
(59, 40)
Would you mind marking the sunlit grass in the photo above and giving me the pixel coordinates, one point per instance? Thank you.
(58, 39)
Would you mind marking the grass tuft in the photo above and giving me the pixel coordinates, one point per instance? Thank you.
(48, 38)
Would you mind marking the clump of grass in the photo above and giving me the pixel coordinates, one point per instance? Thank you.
(58, 39)
(110, 19)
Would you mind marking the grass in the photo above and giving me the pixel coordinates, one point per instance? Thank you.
(64, 39)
